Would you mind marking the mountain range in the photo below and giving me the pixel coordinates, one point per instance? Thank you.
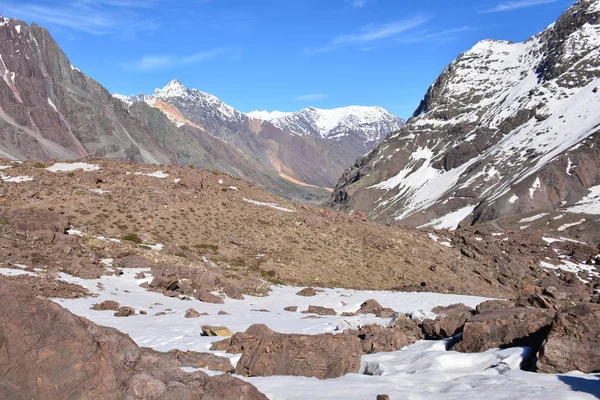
(309, 148)
(507, 128)
(50, 109)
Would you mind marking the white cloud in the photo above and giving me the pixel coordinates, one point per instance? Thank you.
(429, 35)
(311, 97)
(371, 33)
(97, 17)
(150, 63)
(358, 3)
(517, 4)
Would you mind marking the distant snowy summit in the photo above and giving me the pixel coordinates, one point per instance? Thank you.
(371, 124)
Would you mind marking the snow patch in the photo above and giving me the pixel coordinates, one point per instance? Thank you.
(70, 167)
(271, 205)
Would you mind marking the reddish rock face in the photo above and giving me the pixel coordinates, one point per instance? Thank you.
(573, 342)
(46, 352)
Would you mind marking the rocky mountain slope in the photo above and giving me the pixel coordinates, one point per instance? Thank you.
(165, 254)
(50, 109)
(507, 128)
(309, 148)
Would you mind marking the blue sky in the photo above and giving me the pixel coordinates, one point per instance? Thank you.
(281, 54)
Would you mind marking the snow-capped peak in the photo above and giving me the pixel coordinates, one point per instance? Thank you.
(172, 89)
(267, 115)
(371, 123)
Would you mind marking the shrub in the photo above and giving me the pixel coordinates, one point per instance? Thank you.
(132, 237)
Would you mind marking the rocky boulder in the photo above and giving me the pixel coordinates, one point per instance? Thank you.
(376, 338)
(573, 342)
(322, 356)
(449, 321)
(208, 330)
(498, 324)
(307, 292)
(373, 307)
(267, 353)
(49, 353)
(319, 310)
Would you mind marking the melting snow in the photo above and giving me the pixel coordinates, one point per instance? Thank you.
(69, 167)
(567, 226)
(513, 199)
(271, 205)
(590, 204)
(536, 185)
(534, 218)
(424, 370)
(157, 174)
(452, 220)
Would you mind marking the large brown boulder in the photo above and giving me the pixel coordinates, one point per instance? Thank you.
(322, 356)
(573, 342)
(377, 338)
(501, 324)
(373, 307)
(46, 352)
(449, 321)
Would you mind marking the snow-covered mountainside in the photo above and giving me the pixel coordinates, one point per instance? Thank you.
(309, 148)
(371, 124)
(507, 128)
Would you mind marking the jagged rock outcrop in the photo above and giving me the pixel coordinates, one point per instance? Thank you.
(507, 128)
(47, 353)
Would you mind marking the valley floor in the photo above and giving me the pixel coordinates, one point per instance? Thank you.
(424, 370)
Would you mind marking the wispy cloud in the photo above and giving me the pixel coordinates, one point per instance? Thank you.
(156, 62)
(429, 35)
(311, 97)
(372, 33)
(358, 3)
(97, 17)
(517, 4)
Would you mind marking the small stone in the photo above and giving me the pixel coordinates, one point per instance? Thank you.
(191, 313)
(125, 312)
(291, 308)
(208, 330)
(222, 312)
(307, 292)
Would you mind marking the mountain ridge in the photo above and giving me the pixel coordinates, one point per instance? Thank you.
(489, 138)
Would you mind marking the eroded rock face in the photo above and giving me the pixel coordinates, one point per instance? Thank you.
(573, 342)
(267, 353)
(376, 338)
(46, 352)
(500, 325)
(322, 356)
